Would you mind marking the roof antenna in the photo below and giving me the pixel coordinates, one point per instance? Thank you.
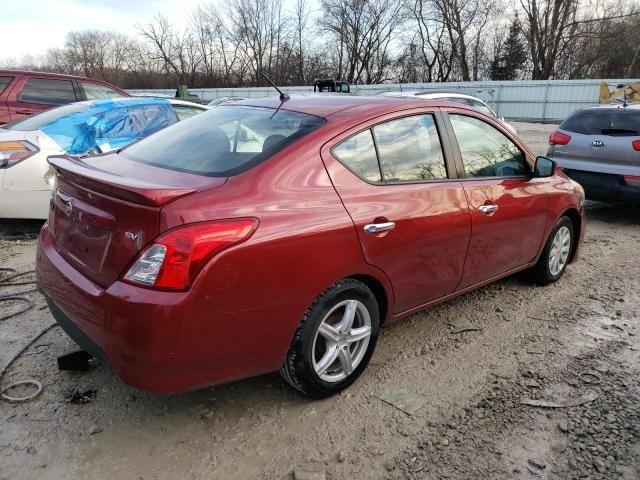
(283, 96)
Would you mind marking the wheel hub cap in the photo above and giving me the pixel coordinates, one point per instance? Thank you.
(341, 341)
(560, 249)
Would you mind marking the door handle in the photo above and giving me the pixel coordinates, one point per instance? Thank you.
(488, 208)
(379, 227)
(24, 112)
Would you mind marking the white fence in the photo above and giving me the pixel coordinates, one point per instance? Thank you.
(538, 100)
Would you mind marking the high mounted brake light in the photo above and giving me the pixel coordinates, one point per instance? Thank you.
(175, 258)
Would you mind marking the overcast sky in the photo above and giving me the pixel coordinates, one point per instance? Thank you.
(30, 27)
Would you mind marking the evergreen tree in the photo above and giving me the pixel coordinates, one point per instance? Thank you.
(511, 55)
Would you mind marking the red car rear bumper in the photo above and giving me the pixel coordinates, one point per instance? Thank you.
(160, 341)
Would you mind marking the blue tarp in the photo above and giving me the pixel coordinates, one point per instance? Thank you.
(110, 124)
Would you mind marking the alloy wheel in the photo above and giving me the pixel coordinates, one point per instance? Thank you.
(341, 341)
(560, 249)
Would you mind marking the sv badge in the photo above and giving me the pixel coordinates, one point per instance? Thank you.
(133, 236)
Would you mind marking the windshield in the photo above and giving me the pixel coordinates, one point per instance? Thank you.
(604, 121)
(223, 141)
(36, 122)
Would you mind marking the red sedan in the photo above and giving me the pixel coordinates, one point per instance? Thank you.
(282, 234)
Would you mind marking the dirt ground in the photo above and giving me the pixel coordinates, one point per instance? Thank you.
(459, 411)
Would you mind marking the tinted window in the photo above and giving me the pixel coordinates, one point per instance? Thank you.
(44, 90)
(485, 151)
(36, 122)
(95, 91)
(208, 144)
(183, 112)
(604, 121)
(4, 81)
(409, 149)
(359, 154)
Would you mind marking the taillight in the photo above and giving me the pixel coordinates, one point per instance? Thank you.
(175, 258)
(558, 138)
(633, 180)
(636, 145)
(14, 152)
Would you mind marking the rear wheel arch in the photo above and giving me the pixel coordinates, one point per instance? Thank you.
(379, 292)
(576, 220)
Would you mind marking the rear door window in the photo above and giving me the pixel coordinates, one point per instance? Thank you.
(47, 91)
(4, 82)
(409, 149)
(358, 154)
(96, 91)
(604, 121)
(485, 151)
(224, 141)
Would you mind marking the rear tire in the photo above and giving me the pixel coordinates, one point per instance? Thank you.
(334, 341)
(556, 254)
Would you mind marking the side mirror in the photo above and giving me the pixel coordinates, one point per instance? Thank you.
(544, 167)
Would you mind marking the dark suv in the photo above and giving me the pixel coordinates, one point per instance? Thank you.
(24, 93)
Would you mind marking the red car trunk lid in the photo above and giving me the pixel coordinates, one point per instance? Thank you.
(106, 209)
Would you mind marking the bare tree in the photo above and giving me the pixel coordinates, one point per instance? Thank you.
(548, 27)
(434, 49)
(465, 22)
(364, 31)
(178, 50)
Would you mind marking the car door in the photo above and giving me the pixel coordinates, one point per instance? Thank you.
(33, 95)
(508, 210)
(408, 207)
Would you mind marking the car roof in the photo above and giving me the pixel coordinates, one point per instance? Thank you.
(139, 101)
(328, 104)
(428, 94)
(46, 74)
(175, 101)
(619, 105)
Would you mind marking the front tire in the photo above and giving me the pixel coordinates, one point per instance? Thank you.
(556, 254)
(334, 341)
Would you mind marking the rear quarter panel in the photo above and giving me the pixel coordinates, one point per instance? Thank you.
(304, 243)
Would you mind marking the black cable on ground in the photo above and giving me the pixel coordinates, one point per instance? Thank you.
(10, 270)
(14, 298)
(35, 383)
(7, 281)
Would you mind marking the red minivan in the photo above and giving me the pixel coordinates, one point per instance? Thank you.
(24, 93)
(281, 234)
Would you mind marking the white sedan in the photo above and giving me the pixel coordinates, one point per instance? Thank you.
(462, 98)
(79, 129)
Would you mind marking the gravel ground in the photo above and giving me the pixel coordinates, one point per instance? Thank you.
(459, 412)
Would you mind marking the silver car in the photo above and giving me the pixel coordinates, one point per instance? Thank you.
(462, 98)
(599, 147)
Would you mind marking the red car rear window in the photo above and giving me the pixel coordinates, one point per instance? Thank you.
(225, 141)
